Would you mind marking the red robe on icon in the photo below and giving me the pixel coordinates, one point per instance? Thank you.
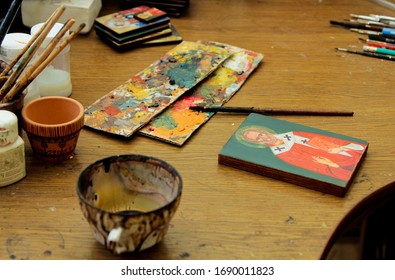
(322, 154)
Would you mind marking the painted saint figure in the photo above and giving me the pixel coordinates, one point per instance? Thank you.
(326, 155)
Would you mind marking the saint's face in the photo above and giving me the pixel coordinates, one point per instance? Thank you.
(259, 136)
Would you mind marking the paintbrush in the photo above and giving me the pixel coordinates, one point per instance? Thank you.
(356, 25)
(379, 50)
(271, 111)
(369, 54)
(9, 18)
(381, 38)
(378, 44)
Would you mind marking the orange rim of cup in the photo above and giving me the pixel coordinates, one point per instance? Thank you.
(55, 129)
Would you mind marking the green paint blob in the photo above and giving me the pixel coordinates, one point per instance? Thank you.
(185, 74)
(166, 121)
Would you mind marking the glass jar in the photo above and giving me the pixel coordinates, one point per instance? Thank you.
(55, 79)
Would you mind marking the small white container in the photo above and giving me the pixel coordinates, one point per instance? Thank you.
(84, 11)
(10, 48)
(12, 45)
(55, 79)
(12, 150)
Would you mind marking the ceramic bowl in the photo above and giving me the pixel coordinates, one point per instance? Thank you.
(129, 200)
(53, 125)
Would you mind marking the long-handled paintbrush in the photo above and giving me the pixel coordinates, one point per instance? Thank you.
(270, 111)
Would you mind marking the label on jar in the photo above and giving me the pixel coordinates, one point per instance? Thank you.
(8, 127)
(12, 163)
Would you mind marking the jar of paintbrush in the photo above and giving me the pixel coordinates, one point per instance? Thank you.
(34, 58)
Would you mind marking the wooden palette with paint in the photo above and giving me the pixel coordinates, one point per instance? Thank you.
(177, 123)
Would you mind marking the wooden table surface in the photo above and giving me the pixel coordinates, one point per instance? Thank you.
(224, 213)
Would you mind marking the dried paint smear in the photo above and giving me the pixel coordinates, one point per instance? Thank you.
(177, 123)
(133, 104)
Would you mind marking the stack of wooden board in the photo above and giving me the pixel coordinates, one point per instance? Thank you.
(136, 27)
(173, 8)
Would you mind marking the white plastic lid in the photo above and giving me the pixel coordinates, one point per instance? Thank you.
(12, 45)
(51, 34)
(8, 128)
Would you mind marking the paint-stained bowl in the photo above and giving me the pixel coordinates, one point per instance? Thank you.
(53, 125)
(129, 200)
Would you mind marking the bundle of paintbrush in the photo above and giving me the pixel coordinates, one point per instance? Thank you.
(381, 35)
(15, 81)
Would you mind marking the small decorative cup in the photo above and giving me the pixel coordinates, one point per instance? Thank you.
(53, 125)
(129, 200)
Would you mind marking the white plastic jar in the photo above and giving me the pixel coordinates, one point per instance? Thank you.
(10, 48)
(12, 45)
(55, 79)
(12, 150)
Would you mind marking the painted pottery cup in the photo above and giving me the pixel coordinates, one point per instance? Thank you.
(53, 125)
(129, 200)
(15, 106)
